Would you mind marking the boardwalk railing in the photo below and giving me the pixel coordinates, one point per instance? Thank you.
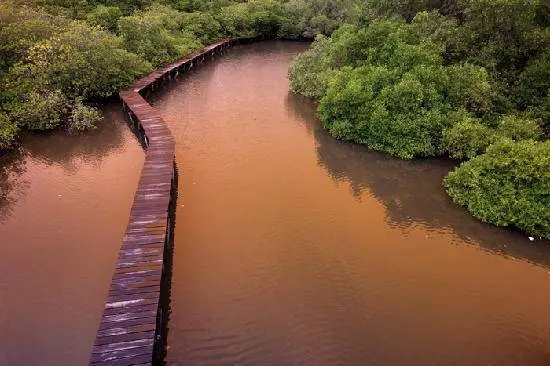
(132, 327)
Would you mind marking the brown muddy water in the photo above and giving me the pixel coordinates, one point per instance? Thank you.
(291, 248)
(295, 249)
(64, 204)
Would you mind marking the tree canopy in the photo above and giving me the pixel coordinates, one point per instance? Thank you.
(58, 56)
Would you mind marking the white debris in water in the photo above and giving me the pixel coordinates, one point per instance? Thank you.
(531, 238)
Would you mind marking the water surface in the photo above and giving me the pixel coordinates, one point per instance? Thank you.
(64, 204)
(295, 249)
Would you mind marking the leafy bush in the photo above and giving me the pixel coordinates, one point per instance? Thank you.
(234, 20)
(105, 17)
(83, 117)
(467, 139)
(309, 73)
(80, 62)
(150, 36)
(8, 131)
(40, 110)
(203, 26)
(403, 116)
(470, 87)
(509, 185)
(20, 28)
(534, 82)
(517, 128)
(307, 18)
(500, 35)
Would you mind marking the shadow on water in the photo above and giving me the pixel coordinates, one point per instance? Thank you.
(58, 148)
(411, 191)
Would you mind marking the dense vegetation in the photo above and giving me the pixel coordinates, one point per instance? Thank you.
(469, 79)
(59, 57)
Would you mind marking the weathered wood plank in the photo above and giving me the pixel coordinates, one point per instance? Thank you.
(128, 328)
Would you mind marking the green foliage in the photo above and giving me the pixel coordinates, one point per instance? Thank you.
(234, 20)
(534, 82)
(402, 9)
(467, 139)
(400, 115)
(203, 26)
(105, 17)
(517, 128)
(20, 28)
(509, 185)
(40, 110)
(310, 71)
(83, 117)
(502, 34)
(153, 34)
(8, 131)
(255, 17)
(81, 62)
(376, 89)
(470, 87)
(307, 18)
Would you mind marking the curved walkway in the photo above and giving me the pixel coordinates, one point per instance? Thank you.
(131, 328)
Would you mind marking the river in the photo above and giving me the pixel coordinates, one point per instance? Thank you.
(292, 248)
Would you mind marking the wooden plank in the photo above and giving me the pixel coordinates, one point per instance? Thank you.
(127, 332)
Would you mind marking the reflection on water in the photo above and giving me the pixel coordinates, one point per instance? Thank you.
(64, 203)
(71, 151)
(411, 191)
(12, 187)
(292, 248)
(61, 149)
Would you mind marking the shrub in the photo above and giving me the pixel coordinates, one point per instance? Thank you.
(83, 117)
(509, 185)
(20, 28)
(307, 18)
(40, 110)
(518, 128)
(203, 26)
(309, 73)
(235, 20)
(105, 17)
(8, 131)
(403, 116)
(534, 82)
(470, 88)
(80, 62)
(467, 139)
(151, 35)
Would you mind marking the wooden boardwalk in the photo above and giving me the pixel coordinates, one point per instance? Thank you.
(132, 328)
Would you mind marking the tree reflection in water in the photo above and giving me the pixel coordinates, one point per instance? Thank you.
(411, 191)
(12, 186)
(57, 148)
